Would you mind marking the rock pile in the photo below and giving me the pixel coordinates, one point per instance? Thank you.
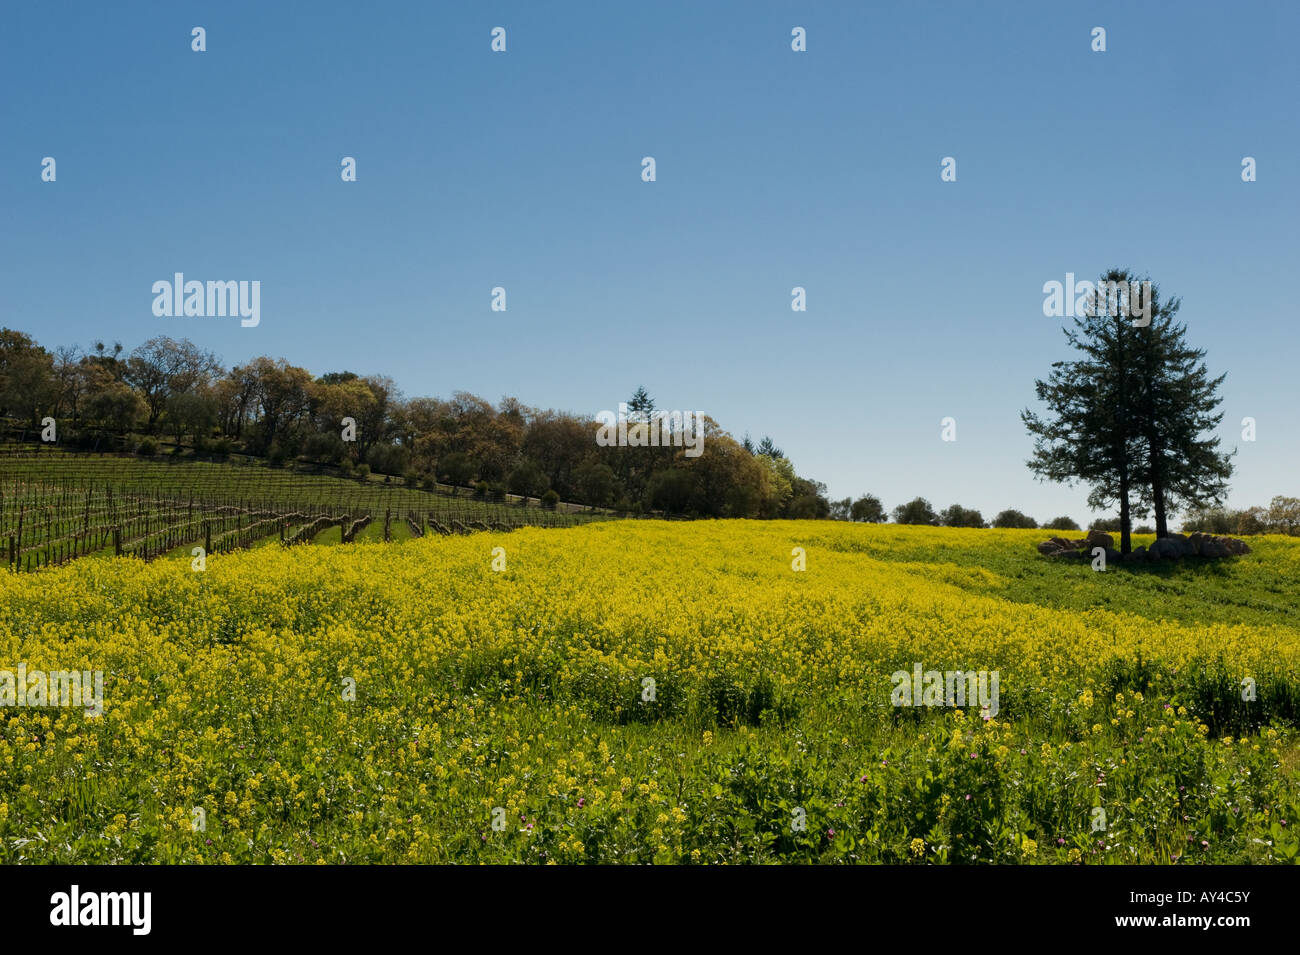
(1172, 547)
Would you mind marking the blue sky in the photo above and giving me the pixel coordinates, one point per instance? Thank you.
(775, 169)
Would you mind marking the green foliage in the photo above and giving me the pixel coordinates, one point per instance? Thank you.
(958, 516)
(868, 508)
(1063, 523)
(1015, 519)
(916, 511)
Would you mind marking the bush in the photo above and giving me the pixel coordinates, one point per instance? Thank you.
(217, 447)
(1061, 524)
(456, 469)
(427, 483)
(1144, 529)
(147, 447)
(325, 448)
(958, 516)
(389, 459)
(597, 483)
(1218, 520)
(550, 499)
(868, 509)
(1108, 524)
(481, 490)
(497, 491)
(1013, 518)
(362, 472)
(916, 511)
(670, 490)
(528, 479)
(276, 456)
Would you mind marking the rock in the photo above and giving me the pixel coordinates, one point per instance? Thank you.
(1099, 539)
(1173, 547)
(1169, 548)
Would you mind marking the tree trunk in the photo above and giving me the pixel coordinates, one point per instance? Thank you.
(1158, 492)
(1124, 520)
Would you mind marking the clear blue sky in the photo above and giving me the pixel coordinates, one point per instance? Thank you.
(775, 169)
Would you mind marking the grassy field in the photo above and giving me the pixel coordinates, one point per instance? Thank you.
(666, 692)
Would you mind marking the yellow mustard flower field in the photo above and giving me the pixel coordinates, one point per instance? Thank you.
(644, 691)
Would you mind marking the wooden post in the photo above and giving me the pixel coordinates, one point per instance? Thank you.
(117, 541)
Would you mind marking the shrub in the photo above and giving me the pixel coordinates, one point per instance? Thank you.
(481, 490)
(217, 447)
(147, 447)
(1061, 524)
(596, 482)
(389, 459)
(456, 469)
(1013, 518)
(325, 448)
(916, 511)
(497, 491)
(362, 472)
(868, 509)
(550, 499)
(958, 516)
(528, 479)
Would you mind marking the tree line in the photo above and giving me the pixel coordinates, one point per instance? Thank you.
(106, 398)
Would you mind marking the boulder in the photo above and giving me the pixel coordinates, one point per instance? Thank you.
(1169, 548)
(1099, 539)
(1173, 547)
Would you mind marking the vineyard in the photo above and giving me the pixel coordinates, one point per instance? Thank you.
(56, 506)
